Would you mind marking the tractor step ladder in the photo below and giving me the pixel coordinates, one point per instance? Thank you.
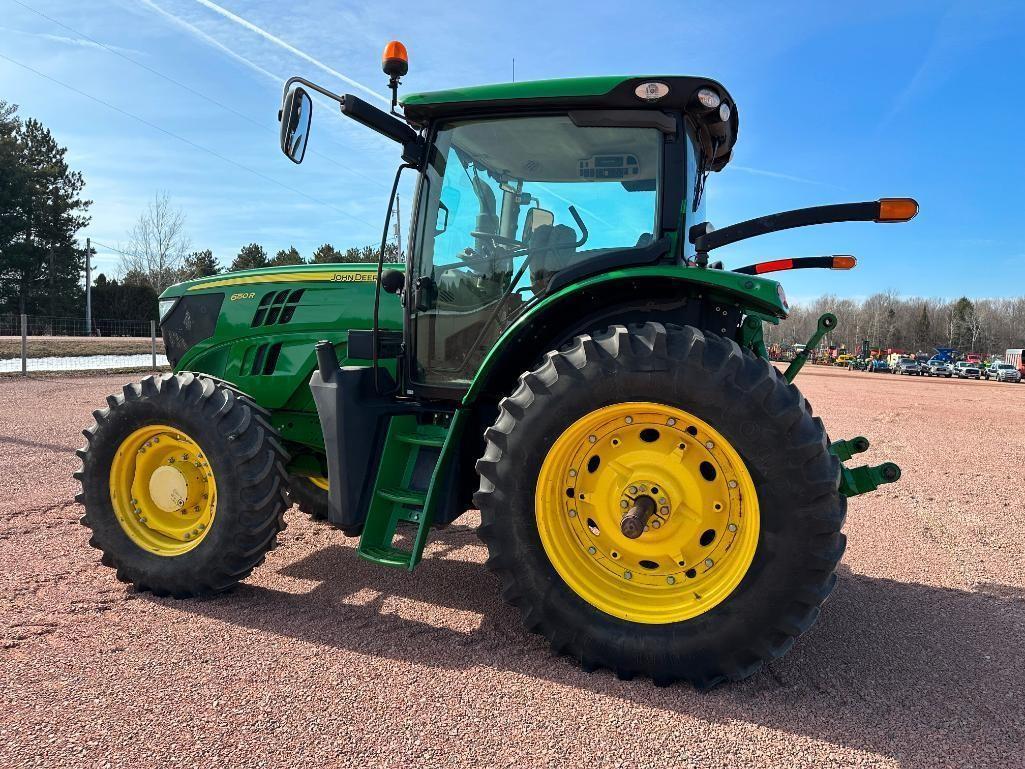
(410, 479)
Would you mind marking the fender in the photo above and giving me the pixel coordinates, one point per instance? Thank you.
(666, 293)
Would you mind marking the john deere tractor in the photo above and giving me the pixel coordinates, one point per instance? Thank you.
(558, 351)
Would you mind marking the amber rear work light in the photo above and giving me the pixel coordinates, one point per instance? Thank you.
(897, 209)
(837, 262)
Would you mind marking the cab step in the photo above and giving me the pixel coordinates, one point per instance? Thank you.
(409, 482)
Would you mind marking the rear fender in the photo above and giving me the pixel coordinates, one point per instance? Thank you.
(714, 300)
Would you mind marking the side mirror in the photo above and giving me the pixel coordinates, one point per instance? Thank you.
(393, 281)
(295, 116)
(536, 217)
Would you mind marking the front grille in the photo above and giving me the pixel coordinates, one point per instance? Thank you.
(192, 320)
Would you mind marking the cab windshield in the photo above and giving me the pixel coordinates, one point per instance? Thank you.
(507, 205)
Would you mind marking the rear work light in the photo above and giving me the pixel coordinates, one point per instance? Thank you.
(897, 209)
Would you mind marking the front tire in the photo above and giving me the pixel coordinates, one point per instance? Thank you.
(183, 484)
(682, 390)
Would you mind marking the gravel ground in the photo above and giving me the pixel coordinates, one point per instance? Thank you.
(324, 659)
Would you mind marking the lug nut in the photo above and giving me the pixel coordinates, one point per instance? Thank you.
(732, 527)
(572, 513)
(709, 445)
(632, 490)
(592, 550)
(624, 504)
(671, 580)
(670, 421)
(572, 473)
(732, 484)
(709, 562)
(628, 575)
(629, 420)
(662, 500)
(656, 524)
(592, 438)
(664, 510)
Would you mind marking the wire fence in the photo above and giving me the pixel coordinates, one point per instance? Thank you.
(36, 343)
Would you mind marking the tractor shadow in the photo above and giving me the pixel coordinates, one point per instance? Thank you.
(898, 669)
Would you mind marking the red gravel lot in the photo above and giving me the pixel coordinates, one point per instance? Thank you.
(324, 659)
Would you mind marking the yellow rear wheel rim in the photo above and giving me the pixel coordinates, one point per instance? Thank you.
(319, 481)
(163, 490)
(697, 545)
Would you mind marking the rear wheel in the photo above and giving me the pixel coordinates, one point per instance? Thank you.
(183, 485)
(658, 502)
(310, 495)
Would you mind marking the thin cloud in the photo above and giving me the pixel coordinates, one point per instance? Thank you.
(76, 42)
(778, 175)
(290, 48)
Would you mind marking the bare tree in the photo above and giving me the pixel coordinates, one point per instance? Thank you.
(157, 244)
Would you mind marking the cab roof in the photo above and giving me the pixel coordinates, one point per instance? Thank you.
(609, 93)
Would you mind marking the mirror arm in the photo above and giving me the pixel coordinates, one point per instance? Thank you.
(366, 113)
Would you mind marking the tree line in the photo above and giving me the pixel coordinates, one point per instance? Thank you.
(911, 324)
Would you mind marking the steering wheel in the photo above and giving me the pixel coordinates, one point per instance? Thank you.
(496, 239)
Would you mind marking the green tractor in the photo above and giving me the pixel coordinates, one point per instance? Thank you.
(557, 351)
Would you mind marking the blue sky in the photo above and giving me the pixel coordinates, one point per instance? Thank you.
(836, 103)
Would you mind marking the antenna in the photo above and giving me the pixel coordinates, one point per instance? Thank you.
(514, 69)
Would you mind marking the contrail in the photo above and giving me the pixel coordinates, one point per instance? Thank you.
(290, 48)
(212, 41)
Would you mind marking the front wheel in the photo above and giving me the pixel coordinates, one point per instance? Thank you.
(659, 502)
(183, 484)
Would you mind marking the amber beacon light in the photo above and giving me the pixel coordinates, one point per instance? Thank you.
(395, 60)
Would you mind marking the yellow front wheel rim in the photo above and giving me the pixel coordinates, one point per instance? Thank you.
(698, 542)
(163, 490)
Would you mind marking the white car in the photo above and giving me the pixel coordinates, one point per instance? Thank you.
(937, 367)
(1004, 372)
(965, 370)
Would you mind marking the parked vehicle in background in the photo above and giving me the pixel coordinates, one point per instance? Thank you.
(909, 366)
(844, 360)
(937, 367)
(857, 364)
(1004, 372)
(879, 367)
(965, 370)
(1015, 358)
(973, 358)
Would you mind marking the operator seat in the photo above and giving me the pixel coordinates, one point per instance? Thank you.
(552, 248)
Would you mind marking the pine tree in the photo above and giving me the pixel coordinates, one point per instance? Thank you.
(326, 254)
(200, 264)
(291, 256)
(41, 212)
(251, 257)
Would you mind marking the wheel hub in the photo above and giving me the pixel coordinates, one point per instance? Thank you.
(162, 490)
(168, 488)
(647, 512)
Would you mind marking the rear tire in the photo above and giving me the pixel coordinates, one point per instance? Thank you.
(771, 427)
(244, 459)
(308, 497)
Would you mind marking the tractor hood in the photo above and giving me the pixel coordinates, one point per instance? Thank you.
(302, 273)
(668, 92)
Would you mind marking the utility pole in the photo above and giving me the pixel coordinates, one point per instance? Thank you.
(88, 288)
(398, 223)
